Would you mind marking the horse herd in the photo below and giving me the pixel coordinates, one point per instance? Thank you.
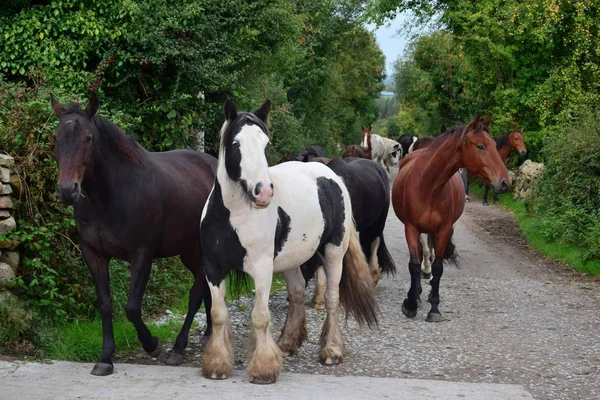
(307, 216)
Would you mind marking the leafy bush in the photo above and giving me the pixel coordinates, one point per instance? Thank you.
(568, 197)
(17, 323)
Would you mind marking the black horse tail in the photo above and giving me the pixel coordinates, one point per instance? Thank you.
(386, 263)
(450, 253)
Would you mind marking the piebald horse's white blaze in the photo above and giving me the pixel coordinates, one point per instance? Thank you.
(279, 235)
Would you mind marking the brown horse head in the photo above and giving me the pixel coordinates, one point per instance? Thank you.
(515, 141)
(74, 140)
(478, 152)
(354, 150)
(366, 137)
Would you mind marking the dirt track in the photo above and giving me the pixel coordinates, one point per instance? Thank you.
(509, 316)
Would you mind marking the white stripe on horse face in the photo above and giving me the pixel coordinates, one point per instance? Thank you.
(254, 166)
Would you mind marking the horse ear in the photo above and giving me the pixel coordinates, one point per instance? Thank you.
(58, 108)
(369, 128)
(305, 159)
(263, 111)
(486, 121)
(473, 124)
(230, 110)
(93, 105)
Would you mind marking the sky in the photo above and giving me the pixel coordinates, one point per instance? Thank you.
(392, 42)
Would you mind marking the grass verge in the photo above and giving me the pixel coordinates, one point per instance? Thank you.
(570, 254)
(82, 340)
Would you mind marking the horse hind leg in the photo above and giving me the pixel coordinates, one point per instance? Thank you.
(294, 333)
(199, 292)
(426, 264)
(218, 354)
(318, 300)
(374, 261)
(332, 342)
(140, 273)
(266, 361)
(442, 240)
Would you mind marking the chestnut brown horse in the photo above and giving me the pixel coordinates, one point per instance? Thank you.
(132, 205)
(506, 145)
(428, 196)
(354, 150)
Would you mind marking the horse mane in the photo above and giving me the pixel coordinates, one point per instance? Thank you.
(459, 132)
(124, 145)
(502, 141)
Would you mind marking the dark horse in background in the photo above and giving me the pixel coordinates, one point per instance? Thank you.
(354, 150)
(428, 197)
(369, 191)
(505, 145)
(306, 154)
(135, 206)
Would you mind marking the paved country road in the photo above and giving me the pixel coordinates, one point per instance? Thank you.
(509, 317)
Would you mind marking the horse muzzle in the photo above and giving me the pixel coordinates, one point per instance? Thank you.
(68, 192)
(501, 185)
(262, 195)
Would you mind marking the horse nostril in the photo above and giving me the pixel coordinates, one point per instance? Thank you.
(258, 188)
(504, 185)
(272, 187)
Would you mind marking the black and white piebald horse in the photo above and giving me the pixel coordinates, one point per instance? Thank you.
(406, 142)
(262, 220)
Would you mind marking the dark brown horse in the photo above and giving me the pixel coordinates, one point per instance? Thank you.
(428, 197)
(135, 206)
(506, 145)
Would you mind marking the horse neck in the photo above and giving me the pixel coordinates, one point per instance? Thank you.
(504, 151)
(233, 198)
(103, 173)
(444, 162)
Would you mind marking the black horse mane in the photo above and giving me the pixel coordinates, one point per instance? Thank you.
(502, 141)
(240, 119)
(124, 145)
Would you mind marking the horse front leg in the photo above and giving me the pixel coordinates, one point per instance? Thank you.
(141, 265)
(442, 239)
(411, 303)
(218, 354)
(266, 361)
(485, 195)
(294, 333)
(98, 266)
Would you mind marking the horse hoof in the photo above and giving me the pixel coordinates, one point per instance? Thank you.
(262, 381)
(102, 369)
(485, 203)
(425, 275)
(174, 358)
(434, 317)
(156, 352)
(335, 360)
(408, 313)
(319, 306)
(217, 377)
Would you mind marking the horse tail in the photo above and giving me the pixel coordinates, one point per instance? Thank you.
(450, 253)
(386, 263)
(357, 289)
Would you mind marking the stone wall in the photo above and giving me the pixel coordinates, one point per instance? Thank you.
(9, 255)
(529, 173)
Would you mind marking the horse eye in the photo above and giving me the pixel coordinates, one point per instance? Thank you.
(481, 147)
(236, 144)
